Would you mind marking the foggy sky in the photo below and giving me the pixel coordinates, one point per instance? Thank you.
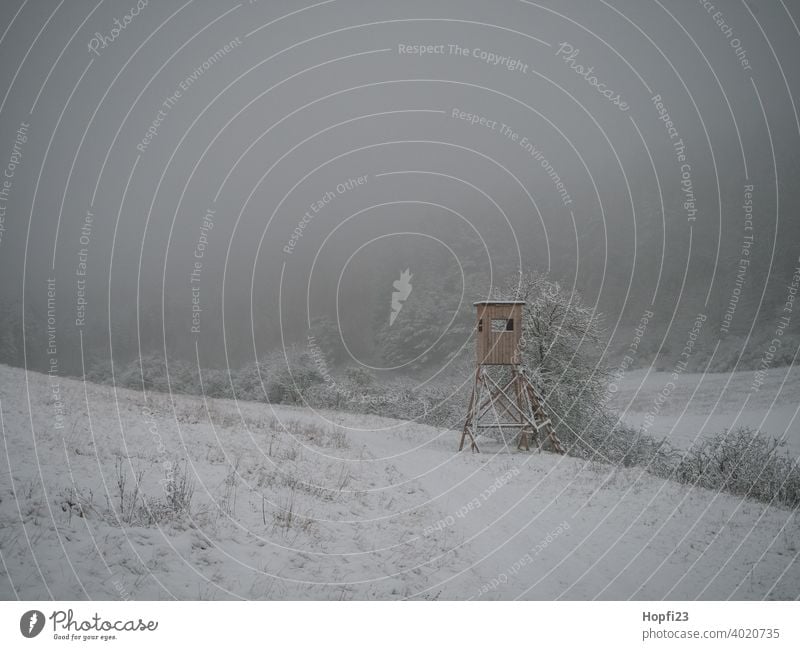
(319, 95)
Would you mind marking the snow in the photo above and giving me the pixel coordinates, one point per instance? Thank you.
(293, 504)
(706, 404)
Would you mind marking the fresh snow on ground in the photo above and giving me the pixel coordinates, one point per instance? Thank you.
(701, 405)
(292, 504)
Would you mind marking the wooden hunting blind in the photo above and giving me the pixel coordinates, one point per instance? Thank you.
(503, 396)
(499, 328)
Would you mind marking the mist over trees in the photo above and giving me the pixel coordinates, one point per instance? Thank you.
(467, 208)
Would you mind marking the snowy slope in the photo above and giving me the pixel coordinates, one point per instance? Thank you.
(702, 405)
(288, 503)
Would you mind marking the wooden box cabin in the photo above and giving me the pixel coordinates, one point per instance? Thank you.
(499, 331)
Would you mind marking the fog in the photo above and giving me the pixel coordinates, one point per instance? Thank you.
(271, 163)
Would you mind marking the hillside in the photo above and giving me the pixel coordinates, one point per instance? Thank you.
(703, 404)
(251, 501)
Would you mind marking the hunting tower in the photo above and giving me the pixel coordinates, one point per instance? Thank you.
(499, 327)
(503, 396)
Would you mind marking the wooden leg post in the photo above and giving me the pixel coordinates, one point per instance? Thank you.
(469, 422)
(518, 400)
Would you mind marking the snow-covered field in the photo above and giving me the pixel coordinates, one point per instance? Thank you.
(293, 504)
(702, 405)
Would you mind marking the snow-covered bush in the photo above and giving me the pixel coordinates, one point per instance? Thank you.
(216, 383)
(620, 444)
(148, 372)
(289, 386)
(743, 462)
(247, 383)
(152, 372)
(281, 376)
(98, 371)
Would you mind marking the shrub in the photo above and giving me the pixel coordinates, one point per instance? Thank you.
(742, 462)
(247, 383)
(98, 371)
(620, 444)
(279, 377)
(216, 383)
(148, 372)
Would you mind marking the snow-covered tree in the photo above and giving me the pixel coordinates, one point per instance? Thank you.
(560, 349)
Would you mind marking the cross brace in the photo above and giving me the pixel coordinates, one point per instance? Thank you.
(518, 400)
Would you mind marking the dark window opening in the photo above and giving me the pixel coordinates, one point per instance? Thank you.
(502, 325)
